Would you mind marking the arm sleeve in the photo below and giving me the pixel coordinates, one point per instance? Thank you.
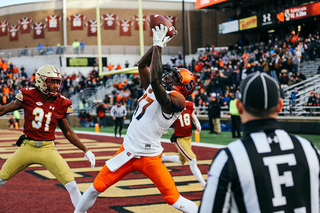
(196, 121)
(217, 194)
(112, 112)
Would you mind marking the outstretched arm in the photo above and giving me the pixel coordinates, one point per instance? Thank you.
(169, 103)
(70, 135)
(195, 120)
(73, 138)
(144, 68)
(156, 81)
(12, 106)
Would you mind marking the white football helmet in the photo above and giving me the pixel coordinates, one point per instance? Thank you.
(44, 76)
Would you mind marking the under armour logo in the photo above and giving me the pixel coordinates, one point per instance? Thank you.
(266, 17)
(50, 107)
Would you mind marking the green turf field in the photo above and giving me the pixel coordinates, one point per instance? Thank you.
(222, 139)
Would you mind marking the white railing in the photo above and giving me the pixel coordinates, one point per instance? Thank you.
(88, 50)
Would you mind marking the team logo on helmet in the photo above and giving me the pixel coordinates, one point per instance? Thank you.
(180, 80)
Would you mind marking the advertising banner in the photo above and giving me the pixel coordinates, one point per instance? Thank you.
(248, 23)
(229, 27)
(267, 19)
(299, 12)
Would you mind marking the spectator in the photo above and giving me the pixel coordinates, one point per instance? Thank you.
(82, 118)
(235, 117)
(292, 80)
(83, 105)
(89, 120)
(300, 77)
(225, 99)
(15, 71)
(214, 114)
(317, 101)
(40, 49)
(173, 61)
(265, 65)
(311, 102)
(294, 96)
(277, 65)
(82, 45)
(296, 61)
(11, 122)
(25, 51)
(110, 66)
(118, 67)
(16, 116)
(75, 46)
(58, 49)
(126, 64)
(101, 112)
(50, 50)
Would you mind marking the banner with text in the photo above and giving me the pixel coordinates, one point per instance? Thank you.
(299, 12)
(248, 23)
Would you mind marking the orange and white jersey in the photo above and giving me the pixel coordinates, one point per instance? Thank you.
(148, 124)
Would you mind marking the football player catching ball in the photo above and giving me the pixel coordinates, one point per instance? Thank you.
(44, 107)
(141, 150)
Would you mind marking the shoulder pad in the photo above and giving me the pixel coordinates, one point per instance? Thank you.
(178, 101)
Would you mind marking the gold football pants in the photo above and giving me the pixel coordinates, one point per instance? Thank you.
(184, 147)
(37, 152)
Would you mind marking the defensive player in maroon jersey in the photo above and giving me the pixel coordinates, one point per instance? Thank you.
(44, 108)
(182, 140)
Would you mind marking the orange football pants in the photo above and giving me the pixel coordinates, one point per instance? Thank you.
(152, 167)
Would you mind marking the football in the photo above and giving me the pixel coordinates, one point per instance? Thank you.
(156, 20)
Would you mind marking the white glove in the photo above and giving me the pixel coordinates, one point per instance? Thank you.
(91, 158)
(167, 39)
(159, 36)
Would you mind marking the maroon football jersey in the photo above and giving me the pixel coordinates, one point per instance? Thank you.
(183, 124)
(125, 27)
(38, 30)
(109, 21)
(40, 116)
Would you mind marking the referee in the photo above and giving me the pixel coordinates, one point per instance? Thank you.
(118, 112)
(268, 170)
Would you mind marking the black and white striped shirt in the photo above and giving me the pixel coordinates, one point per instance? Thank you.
(268, 170)
(118, 111)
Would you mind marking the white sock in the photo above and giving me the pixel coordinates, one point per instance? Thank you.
(185, 205)
(74, 192)
(2, 182)
(87, 200)
(172, 158)
(196, 172)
